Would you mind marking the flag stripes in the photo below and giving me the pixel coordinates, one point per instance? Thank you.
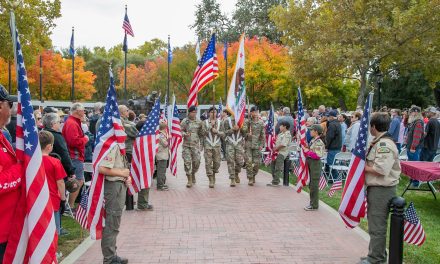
(176, 138)
(336, 186)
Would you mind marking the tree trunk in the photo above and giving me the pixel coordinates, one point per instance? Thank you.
(362, 90)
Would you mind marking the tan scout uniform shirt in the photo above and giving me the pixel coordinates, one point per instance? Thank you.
(283, 139)
(317, 146)
(194, 127)
(384, 158)
(114, 159)
(163, 148)
(257, 139)
(212, 140)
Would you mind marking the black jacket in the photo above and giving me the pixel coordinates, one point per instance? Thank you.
(333, 137)
(60, 148)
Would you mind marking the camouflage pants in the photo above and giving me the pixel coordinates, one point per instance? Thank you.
(191, 160)
(234, 158)
(212, 160)
(253, 162)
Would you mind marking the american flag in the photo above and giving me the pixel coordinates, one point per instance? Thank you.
(353, 203)
(270, 138)
(127, 26)
(33, 238)
(176, 138)
(336, 186)
(144, 151)
(303, 170)
(413, 232)
(81, 212)
(322, 182)
(110, 134)
(206, 72)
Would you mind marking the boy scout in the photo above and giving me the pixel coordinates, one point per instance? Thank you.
(192, 132)
(234, 148)
(313, 158)
(116, 172)
(255, 140)
(212, 145)
(382, 173)
(162, 157)
(281, 146)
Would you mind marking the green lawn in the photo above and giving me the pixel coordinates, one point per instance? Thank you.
(68, 243)
(427, 208)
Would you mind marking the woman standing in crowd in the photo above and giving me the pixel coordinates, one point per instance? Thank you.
(352, 131)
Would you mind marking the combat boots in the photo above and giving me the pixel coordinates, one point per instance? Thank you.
(189, 184)
(193, 179)
(211, 181)
(251, 182)
(232, 182)
(237, 179)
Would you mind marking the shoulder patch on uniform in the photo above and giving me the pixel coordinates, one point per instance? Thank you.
(383, 150)
(383, 144)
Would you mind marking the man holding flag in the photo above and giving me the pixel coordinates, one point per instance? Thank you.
(382, 173)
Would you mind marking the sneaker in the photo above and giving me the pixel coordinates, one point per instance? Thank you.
(163, 188)
(310, 208)
(273, 185)
(148, 208)
(63, 232)
(119, 260)
(58, 255)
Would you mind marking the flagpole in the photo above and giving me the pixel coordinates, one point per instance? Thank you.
(168, 77)
(125, 62)
(73, 71)
(14, 43)
(41, 78)
(226, 68)
(9, 77)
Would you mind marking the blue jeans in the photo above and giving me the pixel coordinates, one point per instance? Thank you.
(399, 147)
(57, 221)
(414, 157)
(330, 158)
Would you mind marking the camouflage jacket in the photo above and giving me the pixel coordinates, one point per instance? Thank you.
(193, 129)
(255, 137)
(131, 131)
(233, 137)
(212, 140)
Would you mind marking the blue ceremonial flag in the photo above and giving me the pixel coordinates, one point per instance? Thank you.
(225, 50)
(72, 45)
(170, 53)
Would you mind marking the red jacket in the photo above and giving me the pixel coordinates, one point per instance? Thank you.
(10, 181)
(75, 138)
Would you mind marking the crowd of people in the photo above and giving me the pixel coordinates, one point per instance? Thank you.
(67, 142)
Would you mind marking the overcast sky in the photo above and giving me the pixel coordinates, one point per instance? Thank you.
(99, 22)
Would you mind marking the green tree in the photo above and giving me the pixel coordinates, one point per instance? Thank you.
(346, 39)
(252, 17)
(34, 21)
(150, 49)
(209, 17)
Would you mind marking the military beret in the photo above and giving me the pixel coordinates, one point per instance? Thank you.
(192, 109)
(212, 108)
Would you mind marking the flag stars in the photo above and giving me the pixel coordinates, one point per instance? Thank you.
(29, 145)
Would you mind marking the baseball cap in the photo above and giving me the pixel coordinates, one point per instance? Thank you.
(415, 109)
(432, 109)
(333, 113)
(212, 108)
(50, 109)
(5, 96)
(317, 128)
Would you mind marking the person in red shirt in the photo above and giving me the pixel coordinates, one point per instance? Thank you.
(10, 174)
(76, 141)
(55, 175)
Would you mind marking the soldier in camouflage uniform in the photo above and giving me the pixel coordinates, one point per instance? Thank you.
(234, 148)
(212, 145)
(281, 146)
(254, 144)
(192, 133)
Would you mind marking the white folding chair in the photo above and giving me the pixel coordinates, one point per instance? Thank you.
(88, 167)
(340, 165)
(403, 155)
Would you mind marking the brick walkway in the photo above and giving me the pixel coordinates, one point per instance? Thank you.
(244, 224)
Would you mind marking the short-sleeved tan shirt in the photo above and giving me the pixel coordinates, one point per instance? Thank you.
(283, 139)
(384, 159)
(114, 159)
